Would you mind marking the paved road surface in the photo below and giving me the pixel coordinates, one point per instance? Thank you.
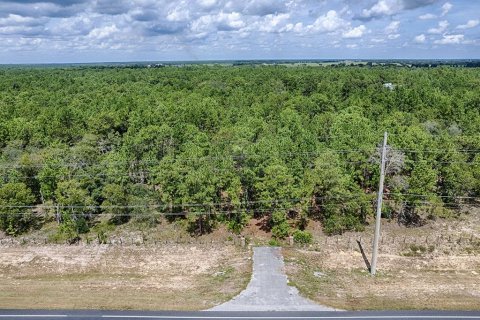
(220, 315)
(268, 289)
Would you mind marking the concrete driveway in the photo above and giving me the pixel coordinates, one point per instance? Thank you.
(268, 289)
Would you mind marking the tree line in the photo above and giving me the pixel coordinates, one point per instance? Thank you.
(213, 144)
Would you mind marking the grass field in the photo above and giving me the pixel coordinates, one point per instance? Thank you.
(435, 267)
(449, 283)
(183, 277)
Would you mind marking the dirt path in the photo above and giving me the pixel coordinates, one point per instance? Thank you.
(268, 289)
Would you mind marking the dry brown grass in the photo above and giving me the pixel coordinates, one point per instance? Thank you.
(436, 266)
(186, 277)
(441, 283)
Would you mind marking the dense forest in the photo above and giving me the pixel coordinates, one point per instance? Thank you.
(218, 145)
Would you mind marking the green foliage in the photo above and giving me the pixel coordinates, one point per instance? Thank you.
(279, 225)
(423, 180)
(335, 198)
(303, 237)
(274, 243)
(13, 218)
(237, 222)
(116, 200)
(202, 143)
(70, 229)
(199, 224)
(418, 250)
(102, 231)
(337, 224)
(74, 202)
(276, 183)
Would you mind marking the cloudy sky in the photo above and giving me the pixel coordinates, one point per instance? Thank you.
(33, 31)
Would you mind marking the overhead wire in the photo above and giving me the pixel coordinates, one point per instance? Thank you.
(218, 212)
(433, 195)
(182, 205)
(130, 163)
(246, 205)
(224, 212)
(182, 169)
(82, 164)
(174, 160)
(151, 171)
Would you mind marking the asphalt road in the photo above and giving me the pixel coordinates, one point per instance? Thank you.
(237, 315)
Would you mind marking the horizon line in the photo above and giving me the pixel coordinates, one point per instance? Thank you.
(239, 60)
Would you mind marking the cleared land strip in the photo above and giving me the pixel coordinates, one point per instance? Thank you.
(186, 277)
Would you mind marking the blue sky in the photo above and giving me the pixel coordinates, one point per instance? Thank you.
(47, 31)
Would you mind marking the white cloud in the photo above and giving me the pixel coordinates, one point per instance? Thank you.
(446, 8)
(297, 27)
(427, 16)
(194, 29)
(354, 33)
(221, 21)
(273, 22)
(178, 14)
(207, 3)
(383, 7)
(442, 26)
(262, 7)
(392, 27)
(420, 38)
(470, 24)
(78, 25)
(103, 32)
(15, 19)
(352, 46)
(328, 23)
(451, 39)
(391, 7)
(231, 20)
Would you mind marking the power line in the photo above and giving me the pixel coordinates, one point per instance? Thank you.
(187, 169)
(433, 195)
(242, 203)
(437, 150)
(360, 201)
(183, 205)
(458, 162)
(224, 212)
(152, 171)
(176, 160)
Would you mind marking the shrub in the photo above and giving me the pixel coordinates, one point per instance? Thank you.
(237, 222)
(67, 231)
(200, 224)
(338, 224)
(102, 230)
(303, 237)
(280, 226)
(273, 243)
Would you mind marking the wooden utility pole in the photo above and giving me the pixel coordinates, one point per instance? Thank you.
(373, 267)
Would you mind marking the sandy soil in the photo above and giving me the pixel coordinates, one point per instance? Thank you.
(436, 266)
(183, 277)
(341, 280)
